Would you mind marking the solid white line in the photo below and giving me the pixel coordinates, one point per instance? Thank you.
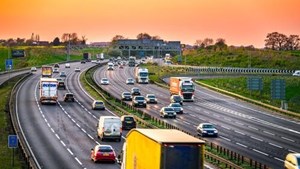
(256, 138)
(239, 123)
(70, 151)
(186, 122)
(78, 160)
(278, 159)
(288, 139)
(292, 151)
(239, 132)
(275, 145)
(260, 152)
(269, 133)
(225, 138)
(90, 136)
(242, 145)
(252, 127)
(77, 125)
(83, 130)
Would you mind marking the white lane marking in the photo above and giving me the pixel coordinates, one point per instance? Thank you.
(193, 115)
(239, 132)
(288, 139)
(224, 138)
(186, 122)
(78, 125)
(269, 133)
(83, 130)
(252, 128)
(73, 120)
(292, 151)
(90, 136)
(225, 127)
(52, 130)
(57, 136)
(242, 145)
(256, 138)
(260, 152)
(275, 145)
(78, 160)
(239, 123)
(278, 159)
(62, 143)
(70, 151)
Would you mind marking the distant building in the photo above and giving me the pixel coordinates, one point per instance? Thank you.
(99, 44)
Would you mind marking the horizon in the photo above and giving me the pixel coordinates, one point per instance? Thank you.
(240, 23)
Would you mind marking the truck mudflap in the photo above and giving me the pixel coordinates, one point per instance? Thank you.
(48, 100)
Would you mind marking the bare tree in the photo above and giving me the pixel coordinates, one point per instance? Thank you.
(276, 41)
(292, 42)
(116, 38)
(208, 41)
(143, 36)
(65, 37)
(156, 37)
(83, 40)
(198, 43)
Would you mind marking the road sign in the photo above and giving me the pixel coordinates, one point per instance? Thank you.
(278, 89)
(255, 83)
(12, 141)
(8, 64)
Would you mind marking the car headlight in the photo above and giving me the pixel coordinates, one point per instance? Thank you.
(144, 101)
(204, 131)
(216, 131)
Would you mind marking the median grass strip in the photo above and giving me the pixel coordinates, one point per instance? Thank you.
(6, 129)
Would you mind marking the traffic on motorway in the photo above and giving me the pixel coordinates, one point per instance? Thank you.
(76, 127)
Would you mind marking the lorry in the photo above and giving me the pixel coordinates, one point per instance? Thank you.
(131, 61)
(141, 75)
(87, 56)
(47, 71)
(161, 149)
(48, 90)
(182, 86)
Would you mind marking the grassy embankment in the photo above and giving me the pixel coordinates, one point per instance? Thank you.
(38, 56)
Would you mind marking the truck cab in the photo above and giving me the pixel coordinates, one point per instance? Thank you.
(141, 75)
(182, 86)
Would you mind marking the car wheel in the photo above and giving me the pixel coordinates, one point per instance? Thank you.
(73, 100)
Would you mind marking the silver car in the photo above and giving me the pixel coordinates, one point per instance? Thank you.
(177, 107)
(167, 112)
(126, 96)
(150, 98)
(104, 81)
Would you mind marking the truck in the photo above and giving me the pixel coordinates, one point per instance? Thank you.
(47, 71)
(48, 90)
(131, 61)
(141, 75)
(161, 149)
(87, 56)
(182, 86)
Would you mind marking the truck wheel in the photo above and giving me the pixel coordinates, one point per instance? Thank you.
(73, 100)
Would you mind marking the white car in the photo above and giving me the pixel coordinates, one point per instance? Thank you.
(55, 70)
(33, 69)
(77, 69)
(104, 81)
(129, 81)
(67, 65)
(150, 98)
(98, 104)
(297, 73)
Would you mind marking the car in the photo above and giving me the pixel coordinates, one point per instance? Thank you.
(61, 83)
(130, 81)
(139, 101)
(126, 96)
(296, 73)
(167, 112)
(77, 69)
(176, 99)
(98, 104)
(292, 161)
(69, 97)
(128, 122)
(56, 65)
(207, 129)
(103, 153)
(104, 81)
(94, 61)
(177, 108)
(33, 69)
(55, 70)
(67, 65)
(82, 61)
(150, 98)
(62, 74)
(116, 64)
(135, 91)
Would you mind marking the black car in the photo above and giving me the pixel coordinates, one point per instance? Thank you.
(82, 61)
(139, 101)
(128, 122)
(61, 84)
(135, 91)
(56, 65)
(69, 97)
(176, 99)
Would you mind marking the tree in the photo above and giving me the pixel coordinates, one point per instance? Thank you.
(56, 41)
(276, 41)
(292, 42)
(65, 37)
(221, 43)
(83, 40)
(208, 41)
(143, 36)
(198, 43)
(116, 38)
(156, 37)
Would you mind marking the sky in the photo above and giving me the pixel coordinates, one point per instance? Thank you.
(239, 22)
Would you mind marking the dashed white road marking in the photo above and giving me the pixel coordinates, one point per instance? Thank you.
(225, 138)
(269, 133)
(275, 145)
(62, 143)
(78, 161)
(288, 139)
(70, 151)
(260, 152)
(242, 145)
(278, 159)
(239, 132)
(256, 138)
(252, 128)
(225, 127)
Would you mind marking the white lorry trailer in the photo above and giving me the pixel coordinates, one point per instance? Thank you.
(48, 90)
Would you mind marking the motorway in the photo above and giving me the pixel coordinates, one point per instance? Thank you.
(244, 128)
(6, 76)
(62, 135)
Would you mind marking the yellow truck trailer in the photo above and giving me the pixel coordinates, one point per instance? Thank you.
(161, 149)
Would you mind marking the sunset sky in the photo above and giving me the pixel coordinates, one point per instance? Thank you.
(240, 22)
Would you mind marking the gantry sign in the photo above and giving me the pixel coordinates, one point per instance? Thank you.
(148, 45)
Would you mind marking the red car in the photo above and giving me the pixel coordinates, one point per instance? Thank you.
(103, 153)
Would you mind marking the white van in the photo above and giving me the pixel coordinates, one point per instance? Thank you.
(109, 127)
(110, 66)
(296, 73)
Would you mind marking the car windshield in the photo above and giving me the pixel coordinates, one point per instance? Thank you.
(151, 96)
(177, 98)
(136, 90)
(104, 79)
(175, 105)
(69, 95)
(139, 98)
(169, 109)
(128, 119)
(208, 126)
(105, 149)
(130, 80)
(125, 94)
(99, 103)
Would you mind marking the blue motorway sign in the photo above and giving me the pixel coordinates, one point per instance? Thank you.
(8, 64)
(12, 141)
